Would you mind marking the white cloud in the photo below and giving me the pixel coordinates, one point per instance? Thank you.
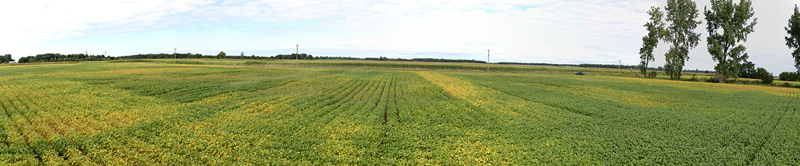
(556, 31)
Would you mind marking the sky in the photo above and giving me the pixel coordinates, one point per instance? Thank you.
(533, 31)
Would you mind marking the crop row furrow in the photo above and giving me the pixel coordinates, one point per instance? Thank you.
(768, 135)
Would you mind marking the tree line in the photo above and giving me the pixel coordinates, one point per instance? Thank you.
(728, 25)
(56, 57)
(6, 58)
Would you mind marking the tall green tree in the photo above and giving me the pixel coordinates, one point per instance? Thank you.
(221, 55)
(728, 26)
(655, 29)
(681, 15)
(8, 58)
(793, 40)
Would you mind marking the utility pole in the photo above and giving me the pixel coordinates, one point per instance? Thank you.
(296, 55)
(631, 71)
(487, 60)
(175, 55)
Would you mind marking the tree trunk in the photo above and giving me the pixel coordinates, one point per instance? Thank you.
(723, 68)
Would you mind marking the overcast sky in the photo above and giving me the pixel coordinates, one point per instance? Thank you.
(548, 31)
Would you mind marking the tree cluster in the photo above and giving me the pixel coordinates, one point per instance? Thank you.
(6, 58)
(678, 30)
(728, 23)
(789, 76)
(748, 70)
(293, 56)
(56, 57)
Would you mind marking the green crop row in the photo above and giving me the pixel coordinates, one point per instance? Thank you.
(178, 114)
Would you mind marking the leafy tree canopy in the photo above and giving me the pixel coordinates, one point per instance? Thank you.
(728, 25)
(681, 15)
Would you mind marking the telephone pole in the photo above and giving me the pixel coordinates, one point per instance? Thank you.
(296, 55)
(619, 69)
(487, 60)
(175, 55)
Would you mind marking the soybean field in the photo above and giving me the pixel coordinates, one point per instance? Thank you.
(145, 113)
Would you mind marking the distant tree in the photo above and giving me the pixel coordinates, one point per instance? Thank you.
(793, 40)
(765, 76)
(784, 76)
(681, 15)
(794, 76)
(5, 58)
(727, 27)
(241, 56)
(748, 70)
(789, 76)
(221, 55)
(655, 29)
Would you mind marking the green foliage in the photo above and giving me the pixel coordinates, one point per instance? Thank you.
(57, 57)
(793, 40)
(681, 15)
(656, 31)
(727, 27)
(652, 74)
(293, 56)
(748, 70)
(165, 114)
(764, 75)
(6, 58)
(789, 76)
(221, 55)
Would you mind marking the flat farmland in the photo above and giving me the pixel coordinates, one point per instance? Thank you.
(149, 113)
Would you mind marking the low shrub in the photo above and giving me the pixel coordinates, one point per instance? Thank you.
(652, 74)
(764, 75)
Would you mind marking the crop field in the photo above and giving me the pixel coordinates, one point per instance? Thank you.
(148, 113)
